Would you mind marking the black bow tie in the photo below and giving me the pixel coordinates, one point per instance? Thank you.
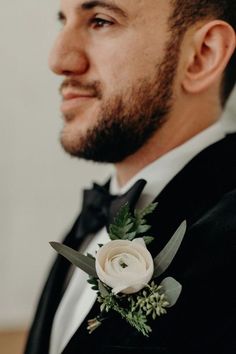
(100, 207)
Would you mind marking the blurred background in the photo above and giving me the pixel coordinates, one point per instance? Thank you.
(40, 192)
(41, 186)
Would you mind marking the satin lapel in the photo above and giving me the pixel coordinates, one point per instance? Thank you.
(191, 193)
(38, 339)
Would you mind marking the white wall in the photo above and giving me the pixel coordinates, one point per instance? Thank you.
(40, 185)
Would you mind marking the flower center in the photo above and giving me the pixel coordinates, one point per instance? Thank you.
(123, 264)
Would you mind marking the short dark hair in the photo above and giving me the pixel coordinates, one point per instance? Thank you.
(188, 12)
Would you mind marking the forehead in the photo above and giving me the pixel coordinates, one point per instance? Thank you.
(130, 8)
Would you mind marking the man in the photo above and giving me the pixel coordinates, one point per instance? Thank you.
(145, 83)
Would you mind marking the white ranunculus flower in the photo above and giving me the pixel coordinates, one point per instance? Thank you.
(125, 266)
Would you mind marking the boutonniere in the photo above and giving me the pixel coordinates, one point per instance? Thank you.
(124, 274)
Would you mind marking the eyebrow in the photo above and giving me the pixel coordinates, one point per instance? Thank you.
(89, 5)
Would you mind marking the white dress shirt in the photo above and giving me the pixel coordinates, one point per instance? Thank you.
(79, 298)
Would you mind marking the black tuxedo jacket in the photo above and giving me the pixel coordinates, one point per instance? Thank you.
(203, 320)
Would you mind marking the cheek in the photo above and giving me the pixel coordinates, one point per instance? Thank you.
(120, 63)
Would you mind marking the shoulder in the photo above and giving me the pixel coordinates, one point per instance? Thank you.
(210, 242)
(220, 219)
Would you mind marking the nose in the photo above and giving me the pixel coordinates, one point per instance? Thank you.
(68, 55)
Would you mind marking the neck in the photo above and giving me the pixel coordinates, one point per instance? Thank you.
(176, 130)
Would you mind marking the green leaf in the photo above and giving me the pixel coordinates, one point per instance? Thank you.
(172, 289)
(148, 239)
(143, 228)
(165, 257)
(90, 256)
(123, 215)
(94, 282)
(130, 236)
(146, 211)
(140, 224)
(114, 237)
(103, 291)
(123, 224)
(127, 227)
(86, 263)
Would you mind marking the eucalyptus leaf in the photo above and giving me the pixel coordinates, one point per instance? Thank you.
(172, 289)
(166, 256)
(86, 263)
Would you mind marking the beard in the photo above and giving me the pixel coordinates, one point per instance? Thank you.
(127, 121)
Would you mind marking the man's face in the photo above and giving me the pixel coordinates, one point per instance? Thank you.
(118, 73)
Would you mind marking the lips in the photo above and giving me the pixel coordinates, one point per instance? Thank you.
(74, 99)
(68, 95)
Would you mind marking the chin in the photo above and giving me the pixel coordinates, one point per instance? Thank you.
(69, 143)
(73, 133)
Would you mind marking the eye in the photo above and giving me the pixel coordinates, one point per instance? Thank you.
(98, 22)
(61, 18)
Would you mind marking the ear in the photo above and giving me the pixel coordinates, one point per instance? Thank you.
(212, 46)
